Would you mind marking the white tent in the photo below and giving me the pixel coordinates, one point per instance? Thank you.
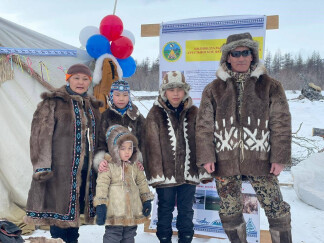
(20, 91)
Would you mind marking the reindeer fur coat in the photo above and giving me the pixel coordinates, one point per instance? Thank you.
(245, 146)
(57, 149)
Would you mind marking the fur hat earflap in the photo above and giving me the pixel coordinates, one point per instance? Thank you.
(116, 135)
(174, 79)
(237, 40)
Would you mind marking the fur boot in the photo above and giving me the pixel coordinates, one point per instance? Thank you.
(234, 227)
(280, 229)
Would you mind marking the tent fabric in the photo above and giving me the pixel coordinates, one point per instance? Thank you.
(19, 96)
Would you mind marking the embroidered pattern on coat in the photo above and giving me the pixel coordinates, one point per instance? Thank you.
(70, 215)
(225, 139)
(187, 158)
(92, 212)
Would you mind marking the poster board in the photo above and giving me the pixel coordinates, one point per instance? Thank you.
(206, 218)
(192, 46)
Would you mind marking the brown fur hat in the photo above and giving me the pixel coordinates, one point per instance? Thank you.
(174, 79)
(237, 40)
(115, 136)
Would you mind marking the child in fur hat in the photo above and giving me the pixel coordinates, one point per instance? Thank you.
(123, 112)
(170, 148)
(123, 198)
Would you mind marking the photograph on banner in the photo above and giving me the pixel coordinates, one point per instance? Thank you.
(193, 46)
(206, 212)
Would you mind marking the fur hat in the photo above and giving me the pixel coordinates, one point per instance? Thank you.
(115, 136)
(236, 40)
(78, 68)
(174, 79)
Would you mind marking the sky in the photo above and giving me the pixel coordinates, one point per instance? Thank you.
(301, 23)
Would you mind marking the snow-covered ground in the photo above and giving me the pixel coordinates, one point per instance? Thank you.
(307, 221)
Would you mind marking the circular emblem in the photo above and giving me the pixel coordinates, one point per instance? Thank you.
(172, 51)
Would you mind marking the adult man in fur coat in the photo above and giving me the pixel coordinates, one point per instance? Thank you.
(244, 128)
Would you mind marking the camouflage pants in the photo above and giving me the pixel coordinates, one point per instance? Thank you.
(267, 190)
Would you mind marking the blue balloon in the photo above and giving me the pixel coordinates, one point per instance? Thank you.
(98, 45)
(128, 66)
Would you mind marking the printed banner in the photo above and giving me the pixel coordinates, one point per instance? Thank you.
(206, 207)
(192, 46)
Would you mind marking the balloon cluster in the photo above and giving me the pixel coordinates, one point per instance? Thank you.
(110, 38)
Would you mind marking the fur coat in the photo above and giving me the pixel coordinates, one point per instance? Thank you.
(249, 144)
(132, 119)
(57, 149)
(123, 188)
(170, 146)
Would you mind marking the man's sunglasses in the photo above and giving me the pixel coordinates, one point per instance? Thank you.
(244, 53)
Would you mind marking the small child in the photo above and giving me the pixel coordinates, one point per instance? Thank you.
(171, 156)
(123, 112)
(123, 198)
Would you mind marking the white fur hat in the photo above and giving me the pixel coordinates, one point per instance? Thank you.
(174, 79)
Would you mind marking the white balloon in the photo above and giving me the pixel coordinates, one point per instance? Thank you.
(86, 33)
(129, 35)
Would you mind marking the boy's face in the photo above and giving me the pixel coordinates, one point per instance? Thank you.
(120, 99)
(175, 96)
(126, 151)
(79, 83)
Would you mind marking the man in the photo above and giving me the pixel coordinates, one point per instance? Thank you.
(244, 129)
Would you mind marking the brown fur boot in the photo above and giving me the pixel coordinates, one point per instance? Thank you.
(235, 227)
(280, 229)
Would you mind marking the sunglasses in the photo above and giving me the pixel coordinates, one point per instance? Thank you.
(244, 53)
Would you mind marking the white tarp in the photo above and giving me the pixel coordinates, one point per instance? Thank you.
(18, 100)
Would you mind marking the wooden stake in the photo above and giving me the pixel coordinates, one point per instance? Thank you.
(150, 30)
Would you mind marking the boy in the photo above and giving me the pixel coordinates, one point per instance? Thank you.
(123, 198)
(123, 112)
(171, 156)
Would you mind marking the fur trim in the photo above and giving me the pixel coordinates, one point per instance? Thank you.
(97, 73)
(97, 159)
(118, 134)
(259, 70)
(253, 45)
(63, 94)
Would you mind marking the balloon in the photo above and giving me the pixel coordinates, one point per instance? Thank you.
(122, 47)
(129, 35)
(111, 26)
(97, 45)
(86, 33)
(128, 66)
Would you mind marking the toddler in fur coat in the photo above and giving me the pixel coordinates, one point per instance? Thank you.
(123, 198)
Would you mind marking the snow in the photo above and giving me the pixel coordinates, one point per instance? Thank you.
(309, 180)
(307, 221)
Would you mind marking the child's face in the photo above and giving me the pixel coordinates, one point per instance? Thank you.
(175, 96)
(120, 99)
(79, 83)
(126, 151)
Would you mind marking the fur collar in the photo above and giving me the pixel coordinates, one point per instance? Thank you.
(259, 70)
(64, 95)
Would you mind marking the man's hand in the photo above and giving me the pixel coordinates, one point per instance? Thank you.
(103, 166)
(210, 167)
(276, 168)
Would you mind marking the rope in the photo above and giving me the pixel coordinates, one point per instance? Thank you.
(140, 102)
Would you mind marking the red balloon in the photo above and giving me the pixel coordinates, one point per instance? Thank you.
(122, 47)
(111, 27)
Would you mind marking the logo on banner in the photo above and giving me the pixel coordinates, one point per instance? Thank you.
(172, 51)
